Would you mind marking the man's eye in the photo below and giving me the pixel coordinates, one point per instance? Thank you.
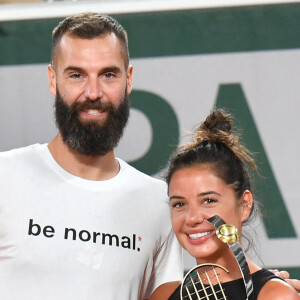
(109, 75)
(76, 75)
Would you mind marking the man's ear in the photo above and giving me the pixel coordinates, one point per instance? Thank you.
(52, 80)
(129, 79)
(246, 205)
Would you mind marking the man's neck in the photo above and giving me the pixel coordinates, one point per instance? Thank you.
(85, 166)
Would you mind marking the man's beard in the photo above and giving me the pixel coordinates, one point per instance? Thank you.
(89, 137)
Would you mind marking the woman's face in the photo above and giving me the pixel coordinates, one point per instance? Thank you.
(197, 194)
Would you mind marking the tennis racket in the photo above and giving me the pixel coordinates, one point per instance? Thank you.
(204, 282)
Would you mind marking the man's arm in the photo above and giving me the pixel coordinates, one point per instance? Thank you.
(295, 283)
(164, 291)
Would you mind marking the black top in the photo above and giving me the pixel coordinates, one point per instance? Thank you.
(234, 290)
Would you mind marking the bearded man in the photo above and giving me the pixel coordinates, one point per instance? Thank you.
(75, 221)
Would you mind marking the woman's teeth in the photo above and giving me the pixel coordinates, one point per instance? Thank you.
(195, 236)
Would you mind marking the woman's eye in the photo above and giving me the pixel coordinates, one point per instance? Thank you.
(178, 204)
(210, 200)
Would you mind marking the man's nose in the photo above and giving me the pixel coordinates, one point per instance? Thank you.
(93, 89)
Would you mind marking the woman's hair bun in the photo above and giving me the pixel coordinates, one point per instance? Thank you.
(217, 128)
(218, 120)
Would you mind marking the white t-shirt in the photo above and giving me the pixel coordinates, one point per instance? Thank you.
(66, 238)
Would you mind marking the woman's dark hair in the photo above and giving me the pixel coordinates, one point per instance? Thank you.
(215, 144)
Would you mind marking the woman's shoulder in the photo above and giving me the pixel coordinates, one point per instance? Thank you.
(277, 289)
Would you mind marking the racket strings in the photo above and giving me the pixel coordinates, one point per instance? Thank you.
(198, 285)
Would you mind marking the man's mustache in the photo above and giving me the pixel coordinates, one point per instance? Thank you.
(92, 104)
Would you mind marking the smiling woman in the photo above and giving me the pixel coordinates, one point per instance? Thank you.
(209, 177)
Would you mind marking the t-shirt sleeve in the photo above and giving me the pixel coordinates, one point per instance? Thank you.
(168, 264)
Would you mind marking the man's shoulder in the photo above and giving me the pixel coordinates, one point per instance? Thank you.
(138, 176)
(22, 153)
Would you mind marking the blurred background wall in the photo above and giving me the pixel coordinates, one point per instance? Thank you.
(188, 57)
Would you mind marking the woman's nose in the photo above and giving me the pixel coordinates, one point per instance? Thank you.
(194, 216)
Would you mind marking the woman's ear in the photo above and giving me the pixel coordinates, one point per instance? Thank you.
(246, 205)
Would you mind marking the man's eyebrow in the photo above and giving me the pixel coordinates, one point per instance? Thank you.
(73, 68)
(104, 70)
(111, 69)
